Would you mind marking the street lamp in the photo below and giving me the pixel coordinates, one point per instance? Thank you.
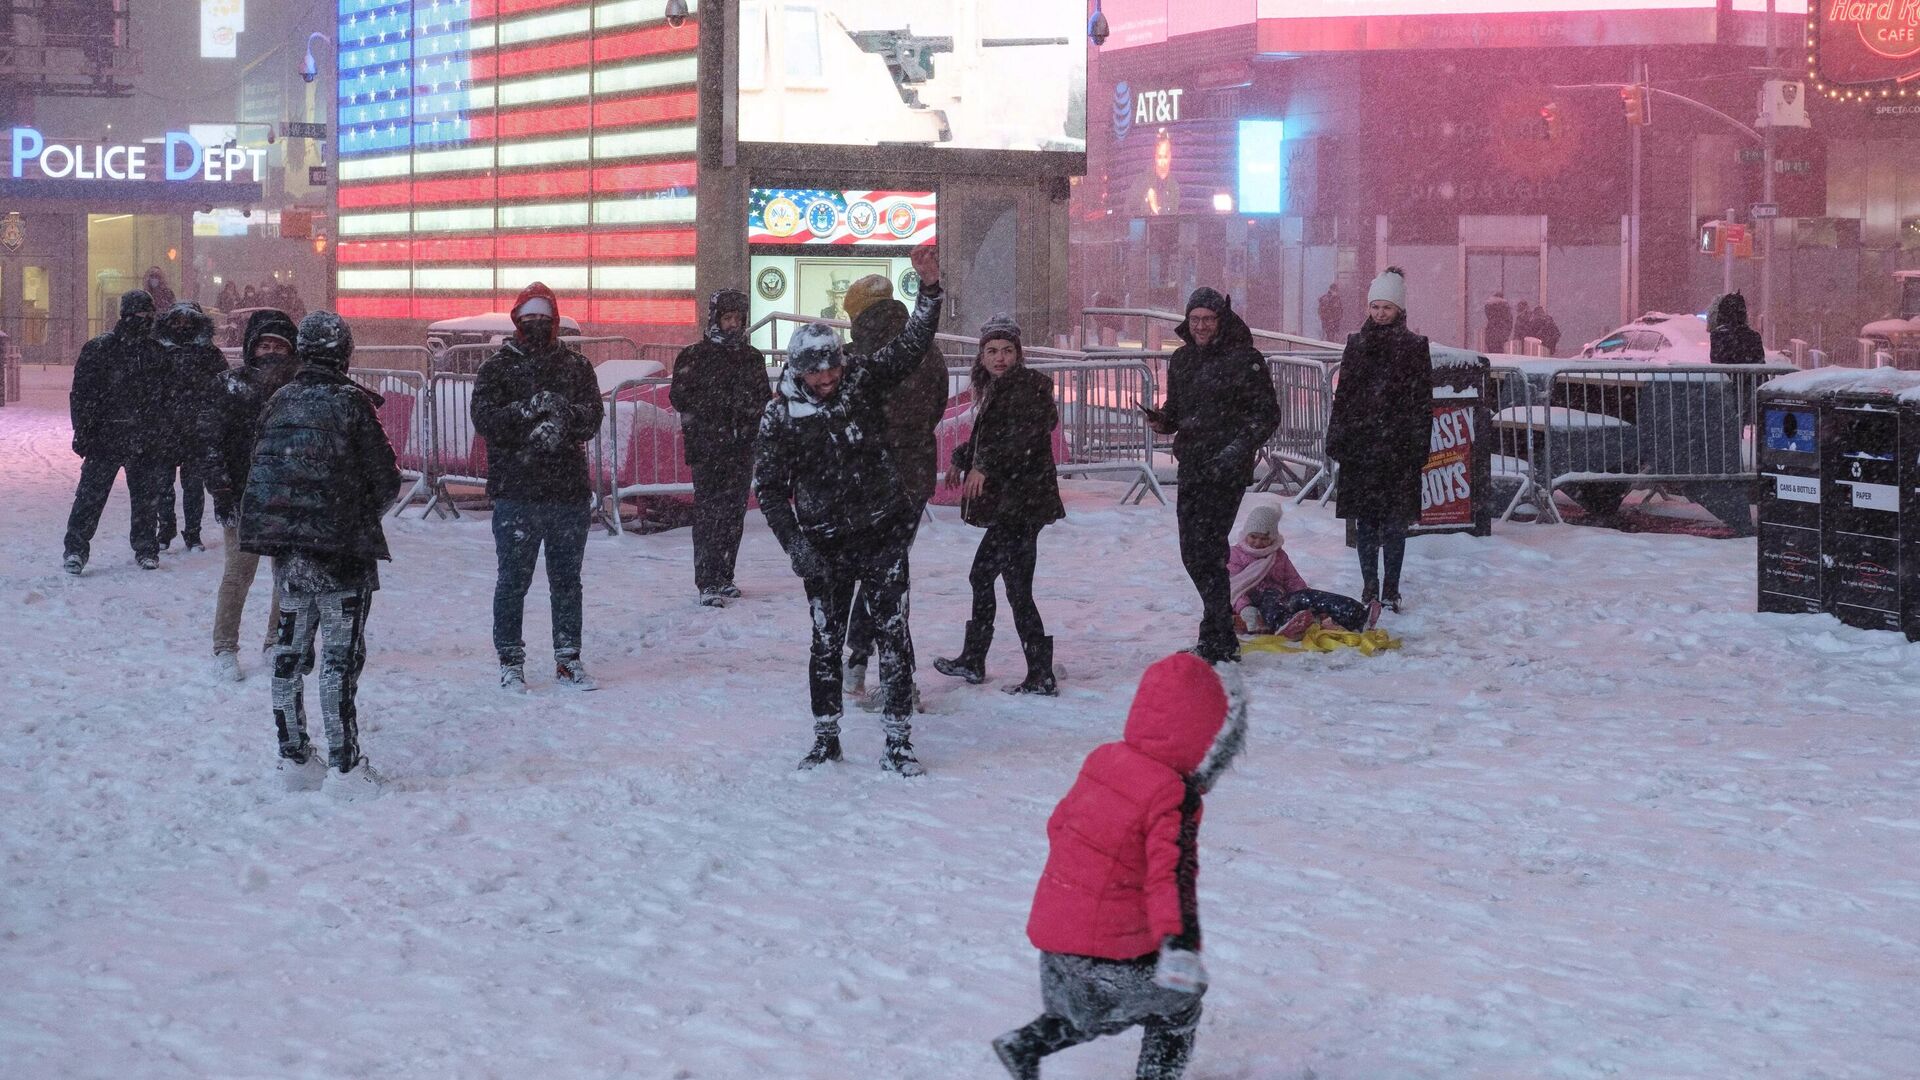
(310, 68)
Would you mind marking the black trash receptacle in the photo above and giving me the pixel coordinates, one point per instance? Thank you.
(1789, 464)
(1910, 510)
(1860, 505)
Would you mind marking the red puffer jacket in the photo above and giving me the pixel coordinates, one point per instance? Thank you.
(1114, 884)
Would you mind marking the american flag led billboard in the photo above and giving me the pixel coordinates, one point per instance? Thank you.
(484, 144)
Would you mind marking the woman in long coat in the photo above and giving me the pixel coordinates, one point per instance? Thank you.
(1379, 434)
(1011, 490)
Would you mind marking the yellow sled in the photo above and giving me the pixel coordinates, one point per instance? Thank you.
(1319, 640)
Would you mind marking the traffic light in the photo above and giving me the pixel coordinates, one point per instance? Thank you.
(319, 243)
(1718, 237)
(1634, 98)
(1551, 120)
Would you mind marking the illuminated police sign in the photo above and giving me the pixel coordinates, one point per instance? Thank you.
(176, 157)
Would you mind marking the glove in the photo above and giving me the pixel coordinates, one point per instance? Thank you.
(548, 403)
(807, 563)
(548, 434)
(1179, 970)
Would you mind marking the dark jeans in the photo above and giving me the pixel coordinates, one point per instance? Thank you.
(876, 565)
(1206, 513)
(860, 624)
(1277, 607)
(1381, 541)
(520, 529)
(90, 498)
(721, 481)
(1008, 552)
(193, 501)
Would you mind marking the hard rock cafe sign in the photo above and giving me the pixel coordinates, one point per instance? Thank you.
(1865, 49)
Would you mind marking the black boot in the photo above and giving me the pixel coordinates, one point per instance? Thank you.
(1164, 1054)
(826, 743)
(971, 664)
(1020, 1051)
(899, 756)
(1039, 669)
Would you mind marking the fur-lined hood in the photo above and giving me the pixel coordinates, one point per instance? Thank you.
(1190, 716)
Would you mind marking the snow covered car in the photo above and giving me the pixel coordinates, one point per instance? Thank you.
(489, 329)
(1659, 337)
(1900, 334)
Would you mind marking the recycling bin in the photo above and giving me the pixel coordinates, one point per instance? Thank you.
(1861, 541)
(1910, 510)
(1788, 443)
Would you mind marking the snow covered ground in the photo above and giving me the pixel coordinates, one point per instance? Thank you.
(1597, 819)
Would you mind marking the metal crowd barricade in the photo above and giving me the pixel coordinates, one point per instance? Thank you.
(1296, 455)
(645, 452)
(395, 357)
(1616, 428)
(406, 415)
(462, 359)
(1104, 430)
(9, 375)
(455, 452)
(1517, 447)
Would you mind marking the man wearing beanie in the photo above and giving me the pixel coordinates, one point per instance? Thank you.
(1379, 433)
(321, 478)
(1220, 411)
(227, 426)
(912, 411)
(833, 498)
(116, 381)
(719, 389)
(537, 403)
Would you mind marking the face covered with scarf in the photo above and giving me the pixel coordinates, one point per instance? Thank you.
(727, 318)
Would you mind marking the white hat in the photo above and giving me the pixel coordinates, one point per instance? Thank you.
(1390, 286)
(536, 305)
(1264, 519)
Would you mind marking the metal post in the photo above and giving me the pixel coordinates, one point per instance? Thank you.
(1726, 263)
(1766, 194)
(1639, 77)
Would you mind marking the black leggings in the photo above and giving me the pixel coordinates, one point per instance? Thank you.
(1380, 539)
(1008, 552)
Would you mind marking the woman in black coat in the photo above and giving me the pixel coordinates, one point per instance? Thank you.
(1379, 434)
(1011, 490)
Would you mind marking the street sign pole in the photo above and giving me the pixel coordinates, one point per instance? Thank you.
(1767, 335)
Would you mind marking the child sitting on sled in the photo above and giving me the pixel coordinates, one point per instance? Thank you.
(1270, 596)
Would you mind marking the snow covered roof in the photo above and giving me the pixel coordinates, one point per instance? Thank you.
(1891, 382)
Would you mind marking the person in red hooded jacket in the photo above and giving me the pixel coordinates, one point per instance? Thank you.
(1116, 916)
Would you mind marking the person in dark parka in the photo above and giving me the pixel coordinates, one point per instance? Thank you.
(828, 488)
(1220, 410)
(186, 333)
(1379, 434)
(537, 403)
(322, 476)
(719, 389)
(226, 428)
(1500, 322)
(1009, 488)
(1730, 339)
(913, 412)
(119, 422)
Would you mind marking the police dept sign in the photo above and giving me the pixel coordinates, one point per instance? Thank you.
(177, 156)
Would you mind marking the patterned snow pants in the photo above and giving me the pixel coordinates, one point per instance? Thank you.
(341, 620)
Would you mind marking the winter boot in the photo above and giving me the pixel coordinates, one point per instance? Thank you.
(1020, 1051)
(712, 598)
(193, 542)
(1373, 614)
(227, 666)
(148, 562)
(971, 664)
(73, 564)
(1297, 626)
(513, 678)
(1369, 591)
(355, 784)
(1164, 1054)
(1391, 599)
(569, 671)
(899, 756)
(826, 743)
(306, 773)
(1039, 669)
(729, 590)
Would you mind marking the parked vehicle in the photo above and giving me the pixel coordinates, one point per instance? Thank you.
(1900, 335)
(1659, 337)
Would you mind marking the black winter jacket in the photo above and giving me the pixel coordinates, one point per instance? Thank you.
(226, 428)
(821, 469)
(121, 397)
(196, 371)
(1012, 444)
(536, 454)
(1381, 428)
(719, 391)
(914, 408)
(1220, 404)
(322, 473)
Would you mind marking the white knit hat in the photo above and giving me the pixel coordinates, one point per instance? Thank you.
(1390, 286)
(1263, 519)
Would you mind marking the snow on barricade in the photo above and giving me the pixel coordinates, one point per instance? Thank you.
(458, 449)
(612, 373)
(648, 447)
(1891, 382)
(1558, 418)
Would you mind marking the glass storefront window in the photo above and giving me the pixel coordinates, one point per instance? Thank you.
(34, 305)
(121, 248)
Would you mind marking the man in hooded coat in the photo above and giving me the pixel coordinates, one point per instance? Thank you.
(119, 422)
(1220, 410)
(537, 403)
(195, 363)
(226, 428)
(319, 484)
(833, 498)
(720, 389)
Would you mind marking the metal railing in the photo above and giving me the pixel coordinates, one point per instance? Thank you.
(1296, 455)
(1157, 333)
(1104, 430)
(406, 415)
(455, 451)
(645, 451)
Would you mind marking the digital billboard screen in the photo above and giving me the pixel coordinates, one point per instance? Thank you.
(962, 74)
(1357, 25)
(1866, 45)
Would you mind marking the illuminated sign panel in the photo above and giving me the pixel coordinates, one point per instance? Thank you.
(840, 218)
(1262, 166)
(177, 156)
(1357, 25)
(1862, 48)
(963, 74)
(485, 144)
